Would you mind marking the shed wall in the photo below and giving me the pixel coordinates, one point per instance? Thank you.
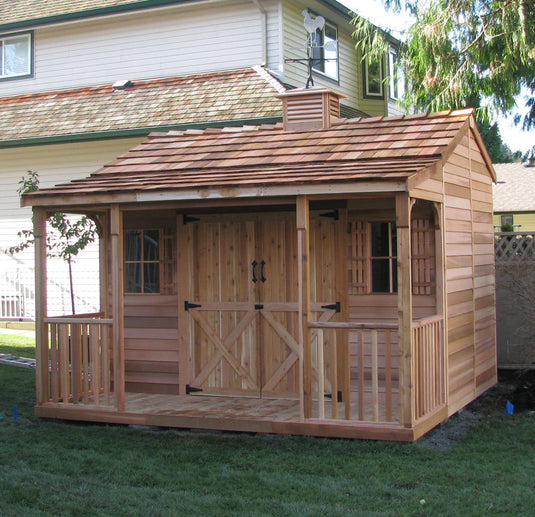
(469, 274)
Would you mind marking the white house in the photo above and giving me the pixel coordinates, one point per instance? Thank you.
(82, 82)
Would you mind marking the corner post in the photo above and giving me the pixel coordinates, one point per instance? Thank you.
(303, 272)
(117, 303)
(406, 381)
(41, 329)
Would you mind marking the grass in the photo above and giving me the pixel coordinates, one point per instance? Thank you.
(62, 468)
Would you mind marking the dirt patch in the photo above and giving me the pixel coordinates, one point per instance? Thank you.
(515, 386)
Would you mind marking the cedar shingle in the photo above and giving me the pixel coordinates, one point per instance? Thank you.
(250, 93)
(352, 150)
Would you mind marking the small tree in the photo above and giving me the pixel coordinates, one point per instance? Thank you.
(66, 237)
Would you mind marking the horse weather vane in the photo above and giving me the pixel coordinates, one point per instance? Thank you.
(316, 46)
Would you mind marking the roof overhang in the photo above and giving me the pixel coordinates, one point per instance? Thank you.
(324, 190)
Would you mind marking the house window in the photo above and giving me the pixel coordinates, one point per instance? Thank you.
(396, 76)
(325, 51)
(373, 78)
(507, 219)
(142, 261)
(384, 257)
(15, 56)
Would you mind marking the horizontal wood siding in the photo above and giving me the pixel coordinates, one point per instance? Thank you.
(469, 274)
(155, 43)
(54, 164)
(350, 70)
(151, 343)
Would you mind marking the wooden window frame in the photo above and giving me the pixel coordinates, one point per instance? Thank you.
(391, 258)
(143, 261)
(30, 40)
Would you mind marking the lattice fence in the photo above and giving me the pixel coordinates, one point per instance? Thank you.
(515, 299)
(514, 247)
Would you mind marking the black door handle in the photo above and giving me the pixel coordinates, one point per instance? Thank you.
(262, 276)
(254, 264)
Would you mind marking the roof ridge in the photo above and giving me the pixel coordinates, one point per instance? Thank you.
(136, 82)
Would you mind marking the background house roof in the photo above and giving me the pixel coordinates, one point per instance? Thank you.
(243, 96)
(28, 13)
(24, 14)
(380, 148)
(515, 188)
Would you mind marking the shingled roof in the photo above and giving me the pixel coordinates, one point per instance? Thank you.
(23, 13)
(201, 100)
(384, 149)
(515, 189)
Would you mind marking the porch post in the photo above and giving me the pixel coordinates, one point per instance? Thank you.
(41, 329)
(303, 272)
(406, 382)
(117, 304)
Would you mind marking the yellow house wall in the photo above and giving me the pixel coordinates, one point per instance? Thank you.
(526, 220)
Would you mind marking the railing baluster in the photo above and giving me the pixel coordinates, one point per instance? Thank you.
(375, 377)
(388, 376)
(321, 375)
(85, 362)
(54, 377)
(361, 376)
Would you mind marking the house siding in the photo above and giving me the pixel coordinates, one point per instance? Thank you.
(163, 42)
(54, 164)
(350, 70)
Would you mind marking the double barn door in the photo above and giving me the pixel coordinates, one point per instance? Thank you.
(241, 310)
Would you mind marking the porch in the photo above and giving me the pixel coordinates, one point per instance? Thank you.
(80, 381)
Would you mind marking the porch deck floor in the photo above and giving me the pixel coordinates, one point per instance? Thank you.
(265, 415)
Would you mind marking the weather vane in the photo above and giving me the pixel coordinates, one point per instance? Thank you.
(314, 27)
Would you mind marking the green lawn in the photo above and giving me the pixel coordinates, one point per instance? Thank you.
(62, 468)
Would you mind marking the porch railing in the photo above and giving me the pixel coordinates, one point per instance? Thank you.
(428, 365)
(371, 392)
(80, 360)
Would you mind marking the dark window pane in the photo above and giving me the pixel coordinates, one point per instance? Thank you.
(395, 276)
(394, 240)
(152, 278)
(374, 78)
(380, 276)
(133, 278)
(133, 246)
(380, 247)
(150, 245)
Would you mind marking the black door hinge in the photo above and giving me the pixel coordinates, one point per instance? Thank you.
(191, 389)
(189, 219)
(188, 306)
(333, 307)
(338, 396)
(333, 215)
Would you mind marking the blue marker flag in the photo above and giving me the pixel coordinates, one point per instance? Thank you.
(509, 408)
(15, 414)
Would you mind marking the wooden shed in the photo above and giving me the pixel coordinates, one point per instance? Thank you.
(324, 276)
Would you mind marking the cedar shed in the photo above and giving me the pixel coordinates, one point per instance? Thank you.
(323, 276)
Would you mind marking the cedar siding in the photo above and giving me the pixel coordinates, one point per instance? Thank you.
(341, 286)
